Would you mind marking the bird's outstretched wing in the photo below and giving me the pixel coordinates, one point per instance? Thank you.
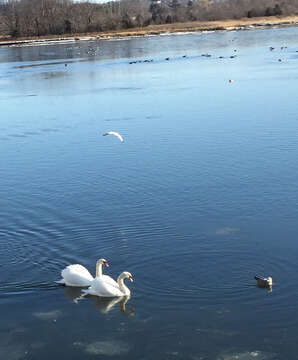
(115, 134)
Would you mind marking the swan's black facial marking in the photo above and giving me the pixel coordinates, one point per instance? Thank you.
(106, 264)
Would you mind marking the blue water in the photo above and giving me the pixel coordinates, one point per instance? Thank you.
(200, 196)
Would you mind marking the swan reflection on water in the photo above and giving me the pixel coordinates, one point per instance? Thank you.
(101, 304)
(104, 305)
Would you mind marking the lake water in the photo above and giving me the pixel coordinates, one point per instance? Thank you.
(201, 196)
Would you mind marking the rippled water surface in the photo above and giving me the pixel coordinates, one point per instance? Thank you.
(200, 196)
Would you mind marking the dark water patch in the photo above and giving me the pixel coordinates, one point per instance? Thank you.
(17, 135)
(10, 350)
(50, 63)
(15, 96)
(48, 54)
(228, 274)
(28, 134)
(31, 133)
(153, 117)
(18, 288)
(120, 89)
(30, 246)
(119, 119)
(49, 130)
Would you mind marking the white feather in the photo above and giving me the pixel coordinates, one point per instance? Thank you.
(76, 275)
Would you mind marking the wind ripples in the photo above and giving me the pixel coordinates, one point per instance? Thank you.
(208, 275)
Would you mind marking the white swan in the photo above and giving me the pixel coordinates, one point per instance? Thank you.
(78, 275)
(100, 287)
(115, 134)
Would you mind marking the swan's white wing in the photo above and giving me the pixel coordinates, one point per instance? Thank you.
(78, 269)
(115, 134)
(109, 280)
(99, 287)
(76, 275)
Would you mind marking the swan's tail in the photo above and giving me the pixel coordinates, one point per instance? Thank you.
(60, 282)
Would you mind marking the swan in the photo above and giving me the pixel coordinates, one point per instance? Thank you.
(100, 287)
(115, 134)
(78, 275)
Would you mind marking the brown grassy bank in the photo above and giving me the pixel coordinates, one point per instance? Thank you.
(165, 28)
(207, 25)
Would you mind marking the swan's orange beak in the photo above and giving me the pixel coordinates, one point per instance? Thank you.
(130, 278)
(106, 264)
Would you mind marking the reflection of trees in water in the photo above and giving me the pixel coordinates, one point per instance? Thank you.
(101, 304)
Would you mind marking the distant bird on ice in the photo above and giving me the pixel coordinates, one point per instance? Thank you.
(115, 134)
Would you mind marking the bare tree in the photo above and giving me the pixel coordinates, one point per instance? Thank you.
(43, 17)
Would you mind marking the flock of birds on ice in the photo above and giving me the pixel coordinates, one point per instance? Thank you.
(92, 51)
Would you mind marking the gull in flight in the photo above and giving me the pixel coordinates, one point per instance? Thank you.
(115, 134)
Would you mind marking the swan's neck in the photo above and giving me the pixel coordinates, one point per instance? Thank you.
(123, 306)
(122, 286)
(98, 269)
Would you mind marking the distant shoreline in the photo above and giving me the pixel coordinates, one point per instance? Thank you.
(228, 25)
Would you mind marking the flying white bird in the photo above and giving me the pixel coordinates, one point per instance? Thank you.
(115, 134)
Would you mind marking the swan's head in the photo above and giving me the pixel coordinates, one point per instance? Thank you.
(104, 262)
(127, 275)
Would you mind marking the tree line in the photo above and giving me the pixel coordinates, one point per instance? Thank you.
(44, 17)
